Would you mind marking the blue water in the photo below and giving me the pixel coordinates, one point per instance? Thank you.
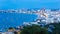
(14, 19)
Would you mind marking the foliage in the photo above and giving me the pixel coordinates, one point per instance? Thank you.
(34, 29)
(56, 30)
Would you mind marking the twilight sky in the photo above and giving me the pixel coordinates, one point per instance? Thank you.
(17, 4)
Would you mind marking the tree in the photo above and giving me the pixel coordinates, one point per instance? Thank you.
(56, 29)
(34, 29)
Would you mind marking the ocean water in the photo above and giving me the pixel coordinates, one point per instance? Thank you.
(14, 19)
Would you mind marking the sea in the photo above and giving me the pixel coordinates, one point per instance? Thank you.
(14, 19)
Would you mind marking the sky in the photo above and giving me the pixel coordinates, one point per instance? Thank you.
(18, 4)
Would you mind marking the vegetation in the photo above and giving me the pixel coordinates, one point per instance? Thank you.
(56, 29)
(34, 29)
